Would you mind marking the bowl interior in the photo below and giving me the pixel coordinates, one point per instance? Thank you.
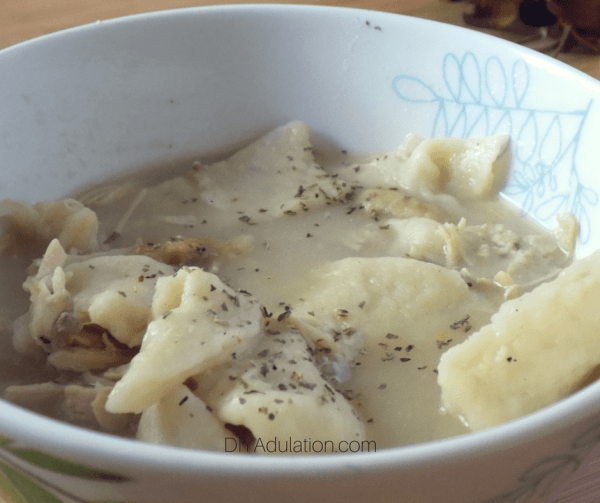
(84, 104)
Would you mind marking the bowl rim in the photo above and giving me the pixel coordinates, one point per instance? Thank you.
(25, 427)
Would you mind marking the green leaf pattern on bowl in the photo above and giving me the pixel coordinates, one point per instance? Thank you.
(21, 483)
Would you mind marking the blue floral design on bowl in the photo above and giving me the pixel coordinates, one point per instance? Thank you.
(487, 98)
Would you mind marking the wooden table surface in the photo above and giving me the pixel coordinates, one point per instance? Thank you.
(24, 19)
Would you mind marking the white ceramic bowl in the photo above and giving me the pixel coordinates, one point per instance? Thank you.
(80, 105)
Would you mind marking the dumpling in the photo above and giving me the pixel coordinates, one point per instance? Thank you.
(182, 419)
(198, 322)
(279, 393)
(496, 375)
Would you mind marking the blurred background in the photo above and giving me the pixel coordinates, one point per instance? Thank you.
(566, 29)
(23, 19)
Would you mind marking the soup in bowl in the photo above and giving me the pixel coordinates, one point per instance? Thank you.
(374, 204)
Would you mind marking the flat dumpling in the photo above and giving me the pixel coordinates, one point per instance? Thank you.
(182, 419)
(389, 319)
(472, 168)
(280, 393)
(198, 322)
(116, 292)
(30, 228)
(468, 168)
(489, 252)
(419, 238)
(496, 375)
(373, 294)
(275, 176)
(291, 182)
(68, 293)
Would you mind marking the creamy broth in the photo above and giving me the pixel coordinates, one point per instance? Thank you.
(303, 259)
